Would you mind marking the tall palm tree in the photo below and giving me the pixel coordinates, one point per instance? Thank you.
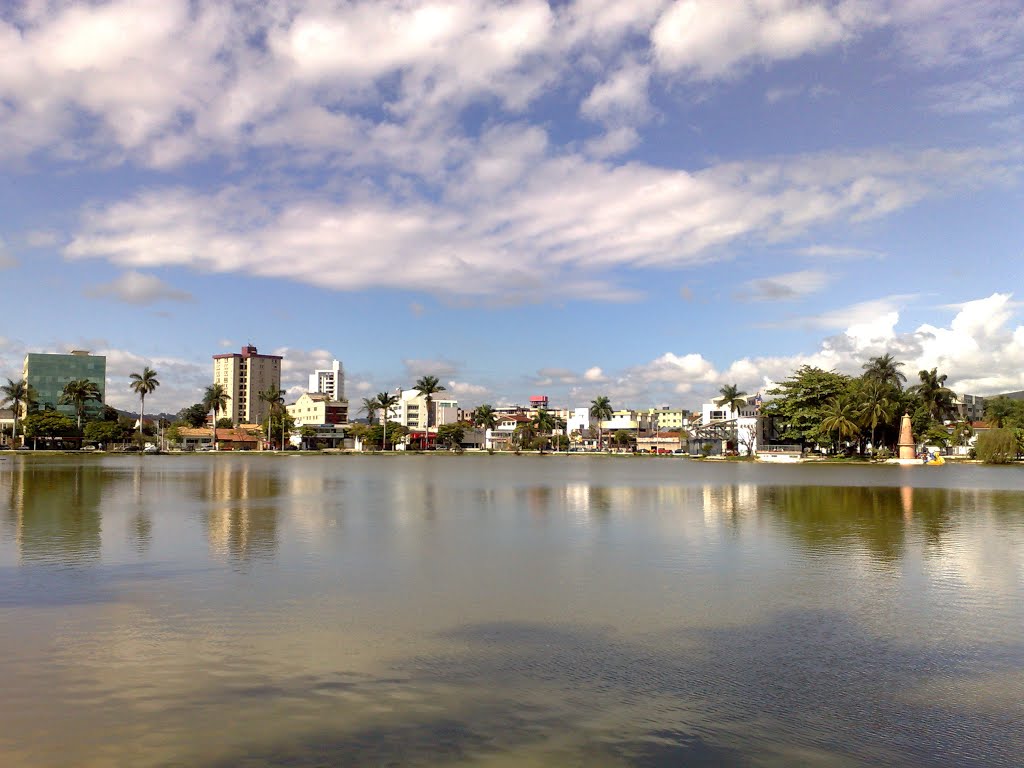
(274, 397)
(600, 409)
(77, 393)
(876, 406)
(428, 386)
(215, 399)
(484, 416)
(840, 416)
(143, 384)
(385, 402)
(370, 408)
(936, 397)
(17, 394)
(886, 369)
(543, 422)
(731, 398)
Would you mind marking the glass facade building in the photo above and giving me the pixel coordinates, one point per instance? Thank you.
(48, 374)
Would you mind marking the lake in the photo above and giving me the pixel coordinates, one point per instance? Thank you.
(250, 610)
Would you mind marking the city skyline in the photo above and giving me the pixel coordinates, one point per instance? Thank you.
(640, 200)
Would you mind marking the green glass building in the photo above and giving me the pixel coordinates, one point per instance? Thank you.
(48, 374)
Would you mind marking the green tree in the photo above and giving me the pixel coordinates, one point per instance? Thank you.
(935, 396)
(225, 423)
(876, 406)
(1000, 411)
(105, 432)
(885, 369)
(428, 386)
(485, 418)
(798, 404)
(215, 399)
(601, 410)
(307, 431)
(274, 397)
(18, 394)
(996, 446)
(385, 402)
(623, 438)
(143, 384)
(49, 424)
(193, 416)
(544, 423)
(731, 398)
(370, 408)
(77, 393)
(840, 417)
(451, 435)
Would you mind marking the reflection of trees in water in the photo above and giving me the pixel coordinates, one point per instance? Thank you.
(241, 515)
(833, 516)
(53, 510)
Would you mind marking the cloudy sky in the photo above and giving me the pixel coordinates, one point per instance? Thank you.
(641, 199)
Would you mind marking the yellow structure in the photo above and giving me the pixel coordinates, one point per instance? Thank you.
(243, 377)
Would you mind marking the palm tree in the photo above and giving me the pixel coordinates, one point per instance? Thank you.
(840, 417)
(428, 386)
(876, 407)
(885, 369)
(370, 408)
(215, 399)
(17, 394)
(274, 396)
(600, 409)
(385, 402)
(936, 397)
(543, 422)
(143, 384)
(484, 416)
(77, 393)
(731, 398)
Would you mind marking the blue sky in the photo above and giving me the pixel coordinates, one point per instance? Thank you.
(644, 200)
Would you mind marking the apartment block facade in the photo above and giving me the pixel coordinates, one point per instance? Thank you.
(329, 381)
(243, 376)
(48, 373)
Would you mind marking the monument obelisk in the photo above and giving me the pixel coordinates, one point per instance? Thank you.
(906, 443)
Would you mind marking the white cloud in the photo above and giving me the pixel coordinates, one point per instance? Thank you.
(567, 223)
(785, 287)
(460, 389)
(594, 374)
(981, 350)
(838, 252)
(710, 39)
(137, 288)
(622, 97)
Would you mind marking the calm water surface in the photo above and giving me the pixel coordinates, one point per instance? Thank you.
(500, 611)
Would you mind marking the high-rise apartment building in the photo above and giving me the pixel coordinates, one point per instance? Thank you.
(330, 381)
(243, 377)
(47, 374)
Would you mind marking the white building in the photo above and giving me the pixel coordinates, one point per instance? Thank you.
(243, 376)
(411, 410)
(330, 381)
(578, 421)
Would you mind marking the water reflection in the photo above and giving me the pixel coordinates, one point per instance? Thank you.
(240, 512)
(506, 613)
(53, 511)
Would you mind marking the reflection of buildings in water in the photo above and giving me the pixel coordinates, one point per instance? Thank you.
(730, 503)
(585, 500)
(54, 512)
(242, 519)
